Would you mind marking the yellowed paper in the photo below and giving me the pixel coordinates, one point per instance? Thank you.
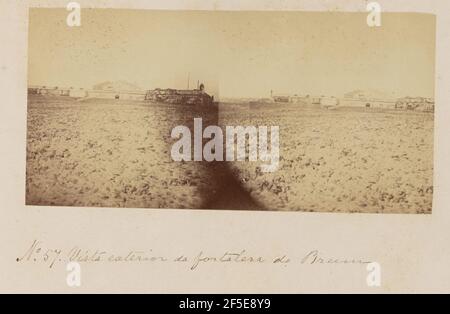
(98, 197)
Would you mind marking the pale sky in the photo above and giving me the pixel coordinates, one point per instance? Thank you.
(236, 54)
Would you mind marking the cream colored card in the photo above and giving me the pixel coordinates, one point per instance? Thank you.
(217, 146)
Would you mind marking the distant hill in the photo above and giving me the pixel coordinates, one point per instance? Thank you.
(116, 86)
(369, 94)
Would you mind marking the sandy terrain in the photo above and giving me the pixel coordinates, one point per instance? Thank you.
(117, 154)
(105, 153)
(345, 160)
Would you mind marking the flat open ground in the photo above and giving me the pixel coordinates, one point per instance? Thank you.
(345, 160)
(117, 154)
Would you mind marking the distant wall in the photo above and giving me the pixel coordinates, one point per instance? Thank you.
(368, 103)
(77, 93)
(107, 94)
(417, 104)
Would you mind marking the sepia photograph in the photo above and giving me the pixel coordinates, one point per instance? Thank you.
(231, 110)
(222, 154)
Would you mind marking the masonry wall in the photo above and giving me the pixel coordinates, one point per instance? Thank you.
(346, 102)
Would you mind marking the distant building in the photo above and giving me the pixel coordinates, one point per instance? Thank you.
(45, 90)
(295, 99)
(78, 92)
(374, 99)
(180, 96)
(329, 102)
(367, 103)
(368, 99)
(33, 90)
(415, 103)
(315, 100)
(126, 91)
(281, 98)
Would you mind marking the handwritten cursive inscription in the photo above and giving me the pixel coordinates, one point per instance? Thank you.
(37, 252)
